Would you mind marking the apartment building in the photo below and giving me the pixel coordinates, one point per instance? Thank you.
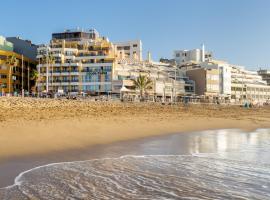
(129, 50)
(183, 57)
(206, 81)
(15, 77)
(265, 74)
(228, 82)
(76, 61)
(248, 85)
(168, 81)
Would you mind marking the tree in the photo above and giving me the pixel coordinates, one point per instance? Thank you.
(49, 60)
(142, 83)
(35, 77)
(11, 61)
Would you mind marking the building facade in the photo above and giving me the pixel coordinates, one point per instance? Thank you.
(129, 50)
(265, 74)
(248, 86)
(76, 61)
(183, 57)
(206, 81)
(168, 82)
(226, 81)
(15, 78)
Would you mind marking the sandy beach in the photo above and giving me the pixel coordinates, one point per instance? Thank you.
(36, 132)
(35, 126)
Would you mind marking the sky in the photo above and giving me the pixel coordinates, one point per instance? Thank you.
(237, 31)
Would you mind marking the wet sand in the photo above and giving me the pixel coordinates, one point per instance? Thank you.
(11, 167)
(207, 142)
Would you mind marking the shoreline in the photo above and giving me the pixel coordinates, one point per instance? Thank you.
(16, 166)
(149, 146)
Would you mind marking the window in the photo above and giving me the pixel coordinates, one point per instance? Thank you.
(127, 48)
(135, 45)
(3, 76)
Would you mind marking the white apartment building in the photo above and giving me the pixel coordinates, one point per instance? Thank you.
(248, 85)
(265, 74)
(168, 82)
(234, 82)
(183, 57)
(129, 50)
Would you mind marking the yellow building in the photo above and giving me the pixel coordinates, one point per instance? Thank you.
(76, 62)
(14, 78)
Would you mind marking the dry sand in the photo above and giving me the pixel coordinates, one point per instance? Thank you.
(37, 126)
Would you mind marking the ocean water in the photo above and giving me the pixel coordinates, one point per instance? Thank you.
(222, 164)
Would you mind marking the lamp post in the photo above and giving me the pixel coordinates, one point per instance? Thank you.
(22, 77)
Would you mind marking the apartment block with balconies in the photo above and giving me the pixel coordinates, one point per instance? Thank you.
(82, 62)
(15, 79)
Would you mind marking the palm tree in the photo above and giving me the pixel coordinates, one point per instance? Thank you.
(51, 61)
(48, 60)
(12, 61)
(142, 83)
(35, 77)
(80, 69)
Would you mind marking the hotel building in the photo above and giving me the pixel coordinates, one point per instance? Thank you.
(16, 79)
(76, 61)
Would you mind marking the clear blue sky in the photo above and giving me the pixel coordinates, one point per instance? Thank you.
(235, 30)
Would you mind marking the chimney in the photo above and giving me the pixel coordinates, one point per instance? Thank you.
(149, 59)
(203, 53)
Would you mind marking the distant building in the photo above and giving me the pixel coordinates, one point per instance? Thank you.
(5, 45)
(129, 50)
(168, 61)
(265, 74)
(248, 85)
(222, 80)
(23, 47)
(16, 78)
(183, 57)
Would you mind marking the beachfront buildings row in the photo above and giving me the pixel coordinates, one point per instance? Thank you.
(17, 62)
(220, 80)
(84, 62)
